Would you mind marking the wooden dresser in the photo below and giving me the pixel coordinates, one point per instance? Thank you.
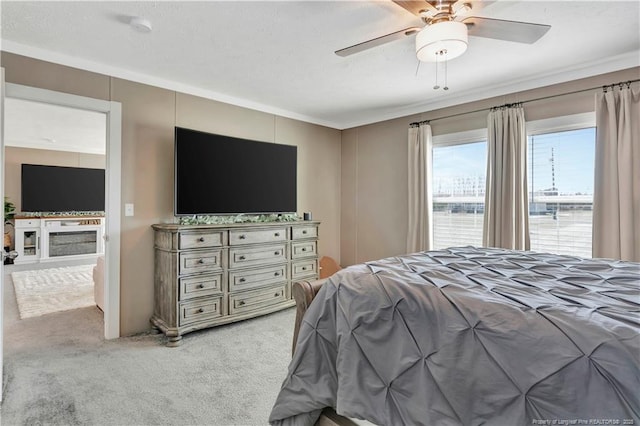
(208, 275)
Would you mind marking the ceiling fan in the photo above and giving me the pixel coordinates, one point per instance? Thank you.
(447, 27)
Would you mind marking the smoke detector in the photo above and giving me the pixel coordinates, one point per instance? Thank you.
(140, 24)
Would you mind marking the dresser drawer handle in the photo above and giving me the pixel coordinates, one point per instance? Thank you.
(304, 268)
(201, 239)
(200, 285)
(200, 261)
(277, 274)
(304, 231)
(241, 258)
(240, 303)
(242, 280)
(277, 234)
(276, 295)
(242, 237)
(276, 253)
(200, 310)
(304, 249)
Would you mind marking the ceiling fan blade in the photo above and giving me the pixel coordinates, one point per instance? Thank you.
(520, 32)
(356, 48)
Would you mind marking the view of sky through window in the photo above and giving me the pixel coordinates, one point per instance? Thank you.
(573, 160)
(454, 165)
(560, 179)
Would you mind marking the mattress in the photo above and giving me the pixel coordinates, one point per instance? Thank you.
(470, 336)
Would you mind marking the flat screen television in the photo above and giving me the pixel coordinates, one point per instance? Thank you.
(62, 189)
(216, 174)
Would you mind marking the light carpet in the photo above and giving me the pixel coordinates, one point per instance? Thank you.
(46, 291)
(60, 371)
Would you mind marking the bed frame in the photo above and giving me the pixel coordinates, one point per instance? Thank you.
(303, 293)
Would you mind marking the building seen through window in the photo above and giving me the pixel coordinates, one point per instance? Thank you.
(458, 194)
(560, 184)
(561, 176)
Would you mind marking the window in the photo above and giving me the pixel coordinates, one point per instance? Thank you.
(561, 176)
(561, 153)
(459, 170)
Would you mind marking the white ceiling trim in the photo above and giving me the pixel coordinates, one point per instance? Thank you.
(611, 64)
(74, 62)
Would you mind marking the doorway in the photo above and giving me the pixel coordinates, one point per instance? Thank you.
(111, 112)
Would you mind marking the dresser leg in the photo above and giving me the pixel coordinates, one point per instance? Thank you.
(155, 330)
(174, 341)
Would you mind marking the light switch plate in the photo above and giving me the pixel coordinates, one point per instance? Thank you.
(128, 209)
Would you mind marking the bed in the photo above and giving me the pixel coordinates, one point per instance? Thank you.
(467, 336)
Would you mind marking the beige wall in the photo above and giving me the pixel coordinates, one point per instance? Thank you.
(149, 115)
(354, 181)
(14, 157)
(374, 162)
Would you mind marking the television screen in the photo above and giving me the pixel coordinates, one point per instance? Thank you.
(217, 174)
(62, 189)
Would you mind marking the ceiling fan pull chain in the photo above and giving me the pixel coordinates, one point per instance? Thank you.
(436, 87)
(446, 87)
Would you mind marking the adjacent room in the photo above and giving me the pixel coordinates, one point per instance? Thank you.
(54, 206)
(328, 212)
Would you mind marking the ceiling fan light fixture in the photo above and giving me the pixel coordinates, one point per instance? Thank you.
(441, 41)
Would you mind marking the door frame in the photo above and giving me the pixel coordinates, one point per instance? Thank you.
(113, 113)
(2, 90)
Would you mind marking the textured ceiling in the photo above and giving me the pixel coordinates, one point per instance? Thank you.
(29, 124)
(278, 56)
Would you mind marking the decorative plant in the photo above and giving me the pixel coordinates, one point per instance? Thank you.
(9, 211)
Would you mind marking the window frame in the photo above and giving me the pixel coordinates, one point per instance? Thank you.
(552, 125)
(559, 124)
(533, 128)
(460, 138)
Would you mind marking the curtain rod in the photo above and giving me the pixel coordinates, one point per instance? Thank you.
(605, 87)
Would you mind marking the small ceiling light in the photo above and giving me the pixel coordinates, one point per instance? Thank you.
(140, 24)
(441, 41)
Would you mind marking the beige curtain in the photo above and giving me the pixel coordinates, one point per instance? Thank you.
(506, 211)
(419, 232)
(616, 198)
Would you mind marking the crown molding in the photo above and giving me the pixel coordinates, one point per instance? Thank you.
(585, 70)
(602, 66)
(109, 70)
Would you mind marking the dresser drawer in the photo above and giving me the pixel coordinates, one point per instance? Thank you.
(200, 310)
(250, 278)
(256, 299)
(255, 256)
(201, 285)
(200, 239)
(303, 249)
(199, 261)
(304, 268)
(254, 236)
(304, 231)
